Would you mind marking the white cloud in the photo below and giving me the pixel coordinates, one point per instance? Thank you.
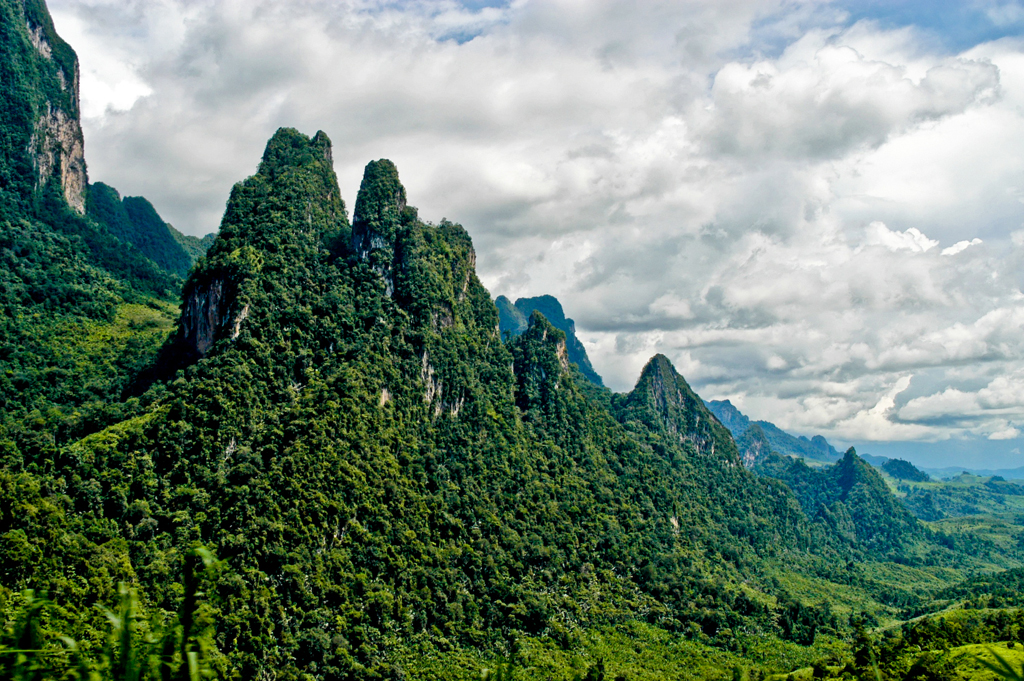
(960, 246)
(768, 218)
(911, 240)
(1005, 434)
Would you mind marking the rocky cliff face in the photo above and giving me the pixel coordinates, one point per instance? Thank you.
(208, 315)
(513, 321)
(226, 294)
(57, 147)
(664, 400)
(753, 445)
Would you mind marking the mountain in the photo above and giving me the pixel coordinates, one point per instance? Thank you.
(43, 180)
(331, 446)
(376, 467)
(83, 312)
(780, 441)
(851, 498)
(904, 470)
(513, 320)
(133, 220)
(194, 246)
(754, 445)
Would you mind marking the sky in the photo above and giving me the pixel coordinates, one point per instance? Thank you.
(815, 209)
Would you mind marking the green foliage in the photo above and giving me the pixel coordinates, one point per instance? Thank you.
(964, 495)
(383, 474)
(379, 206)
(168, 646)
(851, 499)
(135, 222)
(513, 321)
(1003, 668)
(904, 470)
(1000, 590)
(194, 247)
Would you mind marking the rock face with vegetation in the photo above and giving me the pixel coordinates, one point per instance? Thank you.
(42, 136)
(513, 320)
(390, 488)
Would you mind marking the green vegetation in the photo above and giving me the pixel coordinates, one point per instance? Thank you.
(394, 489)
(193, 246)
(135, 222)
(375, 475)
(904, 470)
(964, 495)
(513, 321)
(852, 499)
(169, 645)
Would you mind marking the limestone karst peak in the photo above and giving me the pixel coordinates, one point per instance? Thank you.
(291, 206)
(379, 209)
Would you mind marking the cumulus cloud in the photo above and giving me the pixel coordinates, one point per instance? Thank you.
(818, 220)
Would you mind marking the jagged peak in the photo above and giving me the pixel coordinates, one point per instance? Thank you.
(380, 208)
(380, 193)
(851, 470)
(296, 184)
(289, 148)
(303, 164)
(659, 381)
(658, 366)
(539, 327)
(665, 401)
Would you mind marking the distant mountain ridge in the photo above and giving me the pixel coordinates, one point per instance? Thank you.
(953, 471)
(513, 320)
(817, 447)
(135, 221)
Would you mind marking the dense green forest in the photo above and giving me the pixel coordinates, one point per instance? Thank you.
(303, 449)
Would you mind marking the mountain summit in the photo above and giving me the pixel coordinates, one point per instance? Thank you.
(513, 320)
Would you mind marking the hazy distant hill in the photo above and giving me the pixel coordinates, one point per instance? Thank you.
(953, 471)
(817, 447)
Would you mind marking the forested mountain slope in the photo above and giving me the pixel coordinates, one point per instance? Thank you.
(134, 221)
(852, 498)
(81, 313)
(339, 420)
(375, 465)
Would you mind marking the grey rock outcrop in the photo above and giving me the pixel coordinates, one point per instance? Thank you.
(209, 315)
(56, 146)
